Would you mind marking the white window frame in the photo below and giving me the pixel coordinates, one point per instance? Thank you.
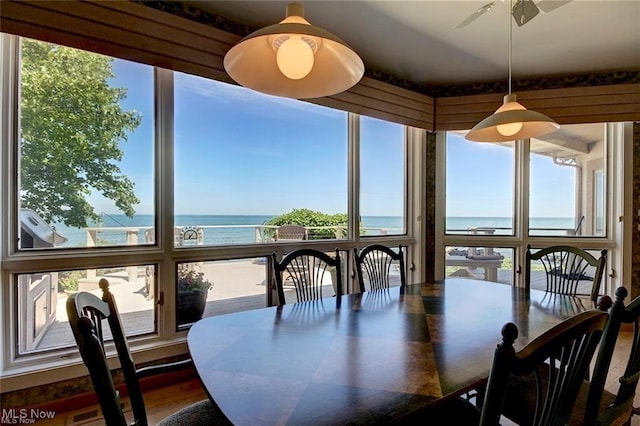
(618, 146)
(32, 370)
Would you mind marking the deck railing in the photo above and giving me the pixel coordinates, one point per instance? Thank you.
(211, 234)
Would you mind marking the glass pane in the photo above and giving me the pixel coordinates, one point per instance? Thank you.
(382, 177)
(42, 316)
(219, 287)
(86, 148)
(599, 201)
(480, 186)
(482, 263)
(242, 159)
(568, 182)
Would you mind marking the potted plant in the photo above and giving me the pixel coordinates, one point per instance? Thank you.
(192, 295)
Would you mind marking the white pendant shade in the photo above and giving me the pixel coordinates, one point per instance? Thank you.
(510, 122)
(294, 59)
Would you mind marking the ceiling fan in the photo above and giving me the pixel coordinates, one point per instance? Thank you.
(523, 10)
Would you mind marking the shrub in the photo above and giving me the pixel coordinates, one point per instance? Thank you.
(310, 218)
(68, 280)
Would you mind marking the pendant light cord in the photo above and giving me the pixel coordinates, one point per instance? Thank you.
(510, 40)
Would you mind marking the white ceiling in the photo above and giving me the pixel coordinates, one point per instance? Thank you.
(417, 40)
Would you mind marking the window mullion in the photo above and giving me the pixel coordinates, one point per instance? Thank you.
(521, 206)
(353, 159)
(164, 196)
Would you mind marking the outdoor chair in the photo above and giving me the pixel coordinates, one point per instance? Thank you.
(290, 232)
(595, 405)
(566, 268)
(87, 314)
(307, 270)
(374, 264)
(565, 351)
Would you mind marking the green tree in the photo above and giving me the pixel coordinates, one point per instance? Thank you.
(72, 125)
(310, 218)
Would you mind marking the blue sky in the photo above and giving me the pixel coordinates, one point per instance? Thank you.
(480, 181)
(268, 155)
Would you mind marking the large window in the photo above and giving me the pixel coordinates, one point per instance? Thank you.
(86, 149)
(155, 180)
(382, 177)
(567, 182)
(243, 158)
(42, 315)
(501, 197)
(480, 186)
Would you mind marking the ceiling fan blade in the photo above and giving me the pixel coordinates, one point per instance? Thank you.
(524, 11)
(475, 15)
(548, 5)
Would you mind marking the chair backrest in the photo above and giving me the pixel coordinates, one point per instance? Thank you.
(566, 267)
(291, 232)
(623, 404)
(374, 265)
(86, 314)
(307, 271)
(565, 350)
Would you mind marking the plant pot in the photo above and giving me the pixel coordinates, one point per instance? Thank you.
(191, 305)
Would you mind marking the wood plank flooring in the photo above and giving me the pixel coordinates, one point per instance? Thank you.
(160, 403)
(167, 400)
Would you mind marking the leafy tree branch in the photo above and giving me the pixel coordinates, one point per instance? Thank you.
(72, 127)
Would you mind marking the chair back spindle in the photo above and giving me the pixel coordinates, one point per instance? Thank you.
(374, 265)
(86, 315)
(566, 267)
(565, 351)
(622, 406)
(306, 270)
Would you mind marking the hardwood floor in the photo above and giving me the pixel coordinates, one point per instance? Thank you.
(167, 400)
(160, 403)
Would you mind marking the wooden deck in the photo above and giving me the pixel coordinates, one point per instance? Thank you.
(142, 322)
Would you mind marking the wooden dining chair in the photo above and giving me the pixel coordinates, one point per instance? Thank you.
(603, 406)
(595, 405)
(566, 267)
(307, 271)
(374, 264)
(87, 313)
(565, 351)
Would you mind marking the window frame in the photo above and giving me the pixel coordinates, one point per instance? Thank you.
(167, 341)
(615, 142)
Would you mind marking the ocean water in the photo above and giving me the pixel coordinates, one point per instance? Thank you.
(241, 229)
(228, 229)
(504, 225)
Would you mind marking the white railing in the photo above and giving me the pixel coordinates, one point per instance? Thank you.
(211, 234)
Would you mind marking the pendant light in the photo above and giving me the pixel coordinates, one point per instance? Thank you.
(512, 121)
(294, 59)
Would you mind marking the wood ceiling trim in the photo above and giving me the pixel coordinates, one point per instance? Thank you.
(135, 32)
(566, 106)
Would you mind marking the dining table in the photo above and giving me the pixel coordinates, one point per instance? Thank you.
(367, 357)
